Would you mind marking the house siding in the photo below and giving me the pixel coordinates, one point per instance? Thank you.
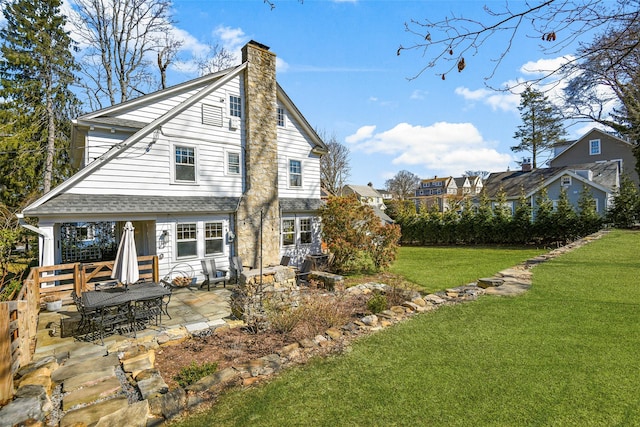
(611, 148)
(248, 204)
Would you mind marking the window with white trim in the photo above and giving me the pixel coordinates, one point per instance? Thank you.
(235, 106)
(185, 164)
(281, 121)
(288, 232)
(213, 238)
(233, 163)
(594, 147)
(295, 173)
(305, 230)
(186, 240)
(565, 181)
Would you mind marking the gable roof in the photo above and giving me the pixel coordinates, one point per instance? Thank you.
(571, 144)
(513, 182)
(105, 116)
(363, 190)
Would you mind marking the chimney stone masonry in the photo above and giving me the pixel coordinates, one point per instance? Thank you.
(258, 230)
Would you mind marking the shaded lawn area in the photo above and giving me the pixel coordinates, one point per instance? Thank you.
(436, 268)
(564, 353)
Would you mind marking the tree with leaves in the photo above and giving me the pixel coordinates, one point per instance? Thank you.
(36, 72)
(541, 127)
(334, 166)
(403, 185)
(625, 211)
(121, 39)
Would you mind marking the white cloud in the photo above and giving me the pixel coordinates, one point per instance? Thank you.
(363, 133)
(544, 66)
(441, 148)
(505, 101)
(281, 65)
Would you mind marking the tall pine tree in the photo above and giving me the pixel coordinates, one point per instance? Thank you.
(541, 126)
(36, 71)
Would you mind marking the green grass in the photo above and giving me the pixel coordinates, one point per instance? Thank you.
(564, 353)
(437, 268)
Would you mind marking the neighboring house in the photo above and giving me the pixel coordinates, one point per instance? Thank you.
(600, 179)
(476, 184)
(597, 146)
(367, 195)
(219, 166)
(386, 195)
(441, 192)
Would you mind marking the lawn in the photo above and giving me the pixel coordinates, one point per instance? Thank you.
(564, 353)
(436, 268)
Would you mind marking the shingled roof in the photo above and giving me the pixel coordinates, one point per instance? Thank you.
(67, 203)
(603, 174)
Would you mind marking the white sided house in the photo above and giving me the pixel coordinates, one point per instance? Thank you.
(219, 166)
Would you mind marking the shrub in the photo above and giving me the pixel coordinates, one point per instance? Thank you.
(283, 320)
(193, 373)
(377, 303)
(356, 238)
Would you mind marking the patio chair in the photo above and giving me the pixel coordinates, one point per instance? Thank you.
(302, 275)
(166, 299)
(86, 325)
(113, 318)
(236, 265)
(212, 274)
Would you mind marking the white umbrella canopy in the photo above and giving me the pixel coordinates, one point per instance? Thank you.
(125, 268)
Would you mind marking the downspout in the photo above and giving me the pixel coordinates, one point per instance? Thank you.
(43, 237)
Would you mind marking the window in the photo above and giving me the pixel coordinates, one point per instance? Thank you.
(185, 164)
(288, 232)
(295, 173)
(213, 241)
(281, 117)
(305, 230)
(594, 147)
(233, 163)
(565, 181)
(235, 106)
(186, 238)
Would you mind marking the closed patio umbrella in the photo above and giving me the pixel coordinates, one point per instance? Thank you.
(125, 268)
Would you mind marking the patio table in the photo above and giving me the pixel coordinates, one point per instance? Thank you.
(93, 300)
(115, 307)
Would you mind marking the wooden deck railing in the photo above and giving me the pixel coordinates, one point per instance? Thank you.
(19, 318)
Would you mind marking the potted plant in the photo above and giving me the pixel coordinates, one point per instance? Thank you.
(53, 302)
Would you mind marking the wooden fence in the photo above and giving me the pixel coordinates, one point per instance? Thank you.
(19, 318)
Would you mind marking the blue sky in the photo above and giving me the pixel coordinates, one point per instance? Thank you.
(337, 61)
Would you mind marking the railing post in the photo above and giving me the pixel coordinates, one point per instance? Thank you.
(6, 376)
(156, 269)
(77, 279)
(23, 333)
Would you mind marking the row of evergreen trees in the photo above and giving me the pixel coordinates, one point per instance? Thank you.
(495, 223)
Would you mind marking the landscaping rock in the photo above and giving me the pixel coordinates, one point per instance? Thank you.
(371, 320)
(490, 282)
(134, 415)
(91, 414)
(214, 380)
(170, 404)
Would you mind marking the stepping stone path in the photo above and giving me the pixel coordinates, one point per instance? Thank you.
(83, 384)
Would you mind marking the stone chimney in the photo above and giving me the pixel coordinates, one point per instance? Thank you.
(258, 231)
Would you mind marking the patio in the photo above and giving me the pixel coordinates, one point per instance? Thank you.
(192, 311)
